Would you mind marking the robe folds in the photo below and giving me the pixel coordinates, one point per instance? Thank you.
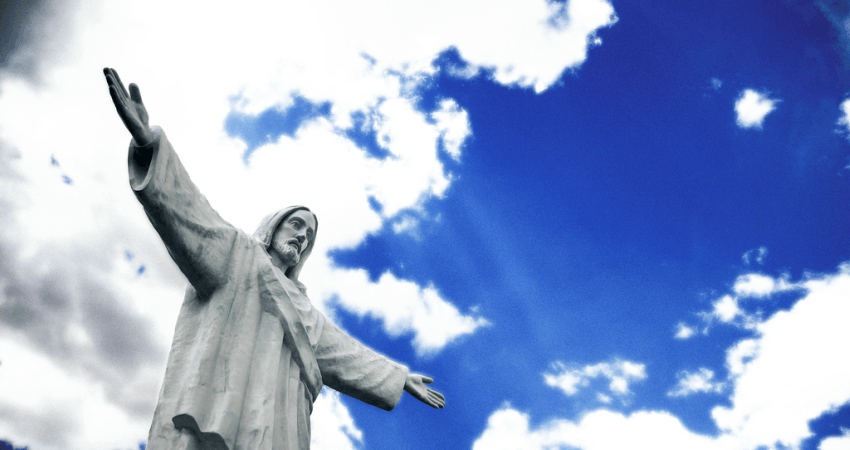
(250, 353)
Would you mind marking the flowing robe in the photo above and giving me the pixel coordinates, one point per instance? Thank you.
(250, 353)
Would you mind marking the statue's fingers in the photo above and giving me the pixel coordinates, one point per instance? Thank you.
(427, 380)
(438, 403)
(436, 395)
(135, 94)
(110, 81)
(120, 84)
(431, 391)
(117, 99)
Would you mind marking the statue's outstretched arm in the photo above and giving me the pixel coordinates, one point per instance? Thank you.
(197, 238)
(415, 386)
(129, 106)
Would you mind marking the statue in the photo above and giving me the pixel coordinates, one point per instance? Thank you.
(250, 353)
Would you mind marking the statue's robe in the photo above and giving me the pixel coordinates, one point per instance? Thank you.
(250, 353)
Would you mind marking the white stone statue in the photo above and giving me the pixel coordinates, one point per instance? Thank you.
(250, 353)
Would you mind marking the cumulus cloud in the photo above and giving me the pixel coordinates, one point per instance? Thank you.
(694, 382)
(737, 309)
(683, 331)
(619, 373)
(453, 123)
(401, 305)
(67, 291)
(37, 395)
(759, 286)
(752, 107)
(509, 429)
(739, 355)
(726, 308)
(790, 372)
(836, 442)
(332, 427)
(844, 119)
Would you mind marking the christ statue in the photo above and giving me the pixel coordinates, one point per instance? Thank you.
(250, 352)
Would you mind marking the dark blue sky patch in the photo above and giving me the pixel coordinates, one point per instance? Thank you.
(364, 135)
(375, 205)
(828, 425)
(6, 445)
(270, 124)
(375, 255)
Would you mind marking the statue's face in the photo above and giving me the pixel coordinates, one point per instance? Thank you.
(292, 237)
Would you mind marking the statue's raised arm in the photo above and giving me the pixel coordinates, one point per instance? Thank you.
(196, 237)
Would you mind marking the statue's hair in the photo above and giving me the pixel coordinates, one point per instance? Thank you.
(265, 235)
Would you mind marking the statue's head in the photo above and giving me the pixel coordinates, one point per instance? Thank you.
(289, 236)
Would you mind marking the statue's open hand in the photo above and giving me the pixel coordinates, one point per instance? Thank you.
(415, 386)
(129, 106)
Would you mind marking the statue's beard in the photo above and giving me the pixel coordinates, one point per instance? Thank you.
(287, 253)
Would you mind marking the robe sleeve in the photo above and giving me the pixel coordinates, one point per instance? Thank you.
(353, 369)
(197, 238)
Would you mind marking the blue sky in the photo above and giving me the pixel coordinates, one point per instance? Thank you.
(649, 249)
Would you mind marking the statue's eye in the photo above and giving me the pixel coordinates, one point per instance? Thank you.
(296, 224)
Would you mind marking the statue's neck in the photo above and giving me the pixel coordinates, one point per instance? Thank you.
(278, 262)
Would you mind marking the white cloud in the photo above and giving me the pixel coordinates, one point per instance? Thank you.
(684, 332)
(796, 373)
(836, 442)
(561, 42)
(37, 395)
(759, 286)
(405, 224)
(402, 306)
(740, 354)
(844, 120)
(508, 429)
(737, 309)
(619, 374)
(694, 382)
(332, 427)
(726, 308)
(792, 371)
(752, 107)
(453, 123)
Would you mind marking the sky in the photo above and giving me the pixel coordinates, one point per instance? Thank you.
(596, 224)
